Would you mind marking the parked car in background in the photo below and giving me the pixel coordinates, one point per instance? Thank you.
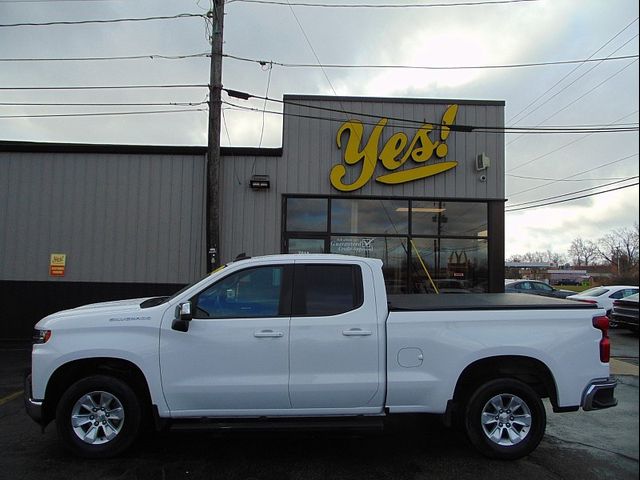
(605, 296)
(625, 313)
(534, 287)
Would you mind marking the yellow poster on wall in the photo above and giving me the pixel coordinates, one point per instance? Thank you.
(57, 264)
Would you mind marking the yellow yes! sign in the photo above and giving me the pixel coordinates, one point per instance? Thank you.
(394, 153)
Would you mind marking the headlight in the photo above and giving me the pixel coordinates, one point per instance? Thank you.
(41, 336)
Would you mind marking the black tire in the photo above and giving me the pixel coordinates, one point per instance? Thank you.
(510, 434)
(110, 427)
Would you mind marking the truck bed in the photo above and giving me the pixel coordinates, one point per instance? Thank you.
(480, 301)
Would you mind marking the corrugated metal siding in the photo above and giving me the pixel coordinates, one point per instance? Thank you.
(310, 149)
(251, 220)
(119, 218)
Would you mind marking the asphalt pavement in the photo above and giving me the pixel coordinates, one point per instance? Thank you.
(581, 445)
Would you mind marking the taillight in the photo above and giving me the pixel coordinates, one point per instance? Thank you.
(586, 301)
(602, 324)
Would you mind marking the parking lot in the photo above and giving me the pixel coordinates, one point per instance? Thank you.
(580, 445)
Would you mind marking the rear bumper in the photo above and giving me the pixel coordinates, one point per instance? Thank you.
(33, 407)
(599, 395)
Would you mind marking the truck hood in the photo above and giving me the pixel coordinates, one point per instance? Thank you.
(114, 310)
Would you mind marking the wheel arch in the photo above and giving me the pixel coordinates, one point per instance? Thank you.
(528, 370)
(69, 373)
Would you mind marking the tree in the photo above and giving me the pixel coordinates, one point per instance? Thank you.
(620, 249)
(583, 252)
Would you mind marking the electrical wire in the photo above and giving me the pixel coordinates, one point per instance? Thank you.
(572, 199)
(564, 180)
(102, 114)
(314, 52)
(388, 5)
(561, 147)
(128, 104)
(404, 121)
(425, 67)
(93, 59)
(573, 70)
(573, 193)
(108, 87)
(112, 20)
(574, 175)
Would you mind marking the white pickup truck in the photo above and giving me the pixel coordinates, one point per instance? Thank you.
(308, 339)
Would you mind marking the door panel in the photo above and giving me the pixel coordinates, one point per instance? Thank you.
(234, 359)
(335, 358)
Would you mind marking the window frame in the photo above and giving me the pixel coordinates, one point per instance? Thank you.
(284, 300)
(300, 288)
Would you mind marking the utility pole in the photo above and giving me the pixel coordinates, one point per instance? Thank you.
(213, 145)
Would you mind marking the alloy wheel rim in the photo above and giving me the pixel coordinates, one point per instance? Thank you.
(97, 417)
(506, 419)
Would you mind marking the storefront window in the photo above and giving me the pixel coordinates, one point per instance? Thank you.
(306, 245)
(450, 239)
(465, 219)
(386, 217)
(307, 214)
(454, 265)
(392, 251)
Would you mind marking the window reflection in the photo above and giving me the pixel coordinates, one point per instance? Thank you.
(392, 251)
(466, 219)
(454, 265)
(307, 214)
(369, 216)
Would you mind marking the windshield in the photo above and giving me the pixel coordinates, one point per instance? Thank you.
(152, 302)
(594, 292)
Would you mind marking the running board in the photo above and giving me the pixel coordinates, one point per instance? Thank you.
(281, 424)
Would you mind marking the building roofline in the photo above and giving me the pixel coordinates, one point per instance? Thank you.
(54, 147)
(329, 98)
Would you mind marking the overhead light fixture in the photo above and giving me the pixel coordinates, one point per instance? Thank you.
(421, 209)
(259, 182)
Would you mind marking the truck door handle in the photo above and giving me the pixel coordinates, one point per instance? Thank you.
(356, 332)
(268, 334)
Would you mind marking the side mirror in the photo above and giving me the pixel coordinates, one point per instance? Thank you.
(183, 317)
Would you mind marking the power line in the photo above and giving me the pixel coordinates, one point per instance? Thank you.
(424, 67)
(574, 193)
(108, 87)
(572, 199)
(129, 57)
(388, 5)
(54, 1)
(565, 180)
(459, 128)
(313, 51)
(104, 114)
(561, 147)
(132, 104)
(112, 20)
(573, 70)
(575, 174)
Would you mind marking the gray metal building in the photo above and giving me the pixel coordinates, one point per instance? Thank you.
(416, 182)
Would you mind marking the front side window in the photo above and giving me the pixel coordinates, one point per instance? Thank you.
(250, 293)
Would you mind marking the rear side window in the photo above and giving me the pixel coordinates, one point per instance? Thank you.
(323, 290)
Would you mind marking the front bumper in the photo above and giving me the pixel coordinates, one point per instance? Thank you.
(599, 395)
(33, 407)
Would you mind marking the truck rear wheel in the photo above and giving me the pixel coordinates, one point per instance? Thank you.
(98, 417)
(505, 419)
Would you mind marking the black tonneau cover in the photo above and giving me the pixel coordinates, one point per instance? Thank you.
(480, 301)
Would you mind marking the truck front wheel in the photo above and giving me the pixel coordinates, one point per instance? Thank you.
(98, 417)
(505, 419)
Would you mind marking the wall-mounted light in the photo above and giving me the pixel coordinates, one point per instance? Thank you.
(259, 182)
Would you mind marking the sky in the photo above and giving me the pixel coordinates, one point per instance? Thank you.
(602, 93)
